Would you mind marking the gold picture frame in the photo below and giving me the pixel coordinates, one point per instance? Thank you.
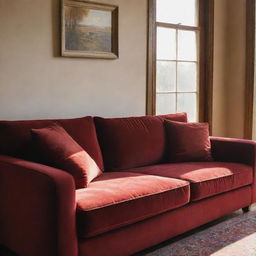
(89, 30)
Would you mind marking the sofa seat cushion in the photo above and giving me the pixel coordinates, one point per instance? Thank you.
(116, 199)
(206, 178)
(133, 141)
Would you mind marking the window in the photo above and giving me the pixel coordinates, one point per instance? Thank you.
(178, 79)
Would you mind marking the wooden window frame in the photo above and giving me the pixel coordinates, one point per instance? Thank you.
(206, 25)
(250, 63)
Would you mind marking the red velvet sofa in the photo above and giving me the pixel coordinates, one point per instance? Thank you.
(138, 201)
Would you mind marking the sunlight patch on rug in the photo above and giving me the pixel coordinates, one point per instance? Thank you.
(244, 247)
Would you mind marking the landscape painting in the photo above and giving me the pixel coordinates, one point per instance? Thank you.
(89, 30)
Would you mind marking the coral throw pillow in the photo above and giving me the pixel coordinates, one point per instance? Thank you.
(59, 150)
(188, 141)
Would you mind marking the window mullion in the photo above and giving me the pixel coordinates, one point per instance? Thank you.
(176, 85)
(177, 26)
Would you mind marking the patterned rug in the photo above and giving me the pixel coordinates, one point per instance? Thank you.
(233, 237)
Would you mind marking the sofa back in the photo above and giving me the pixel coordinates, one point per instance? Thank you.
(133, 141)
(15, 137)
(125, 142)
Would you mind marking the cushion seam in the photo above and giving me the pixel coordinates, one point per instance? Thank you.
(100, 231)
(218, 193)
(224, 176)
(139, 197)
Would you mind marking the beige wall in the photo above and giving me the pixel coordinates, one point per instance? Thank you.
(236, 67)
(219, 67)
(36, 83)
(229, 68)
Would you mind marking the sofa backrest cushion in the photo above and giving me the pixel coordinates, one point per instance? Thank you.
(133, 141)
(59, 150)
(16, 140)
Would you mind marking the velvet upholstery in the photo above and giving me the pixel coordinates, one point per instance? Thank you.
(59, 150)
(233, 150)
(206, 178)
(149, 232)
(133, 141)
(117, 199)
(236, 150)
(179, 117)
(188, 141)
(15, 137)
(37, 209)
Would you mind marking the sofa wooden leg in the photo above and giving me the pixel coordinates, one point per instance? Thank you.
(246, 209)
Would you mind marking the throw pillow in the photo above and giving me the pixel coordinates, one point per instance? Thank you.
(59, 149)
(188, 141)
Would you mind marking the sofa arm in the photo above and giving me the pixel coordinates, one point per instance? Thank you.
(37, 209)
(236, 150)
(233, 150)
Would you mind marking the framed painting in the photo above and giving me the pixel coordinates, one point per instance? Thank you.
(89, 30)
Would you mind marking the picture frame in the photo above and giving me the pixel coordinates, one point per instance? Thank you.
(89, 29)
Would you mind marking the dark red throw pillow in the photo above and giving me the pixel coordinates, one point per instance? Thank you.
(16, 139)
(60, 150)
(188, 141)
